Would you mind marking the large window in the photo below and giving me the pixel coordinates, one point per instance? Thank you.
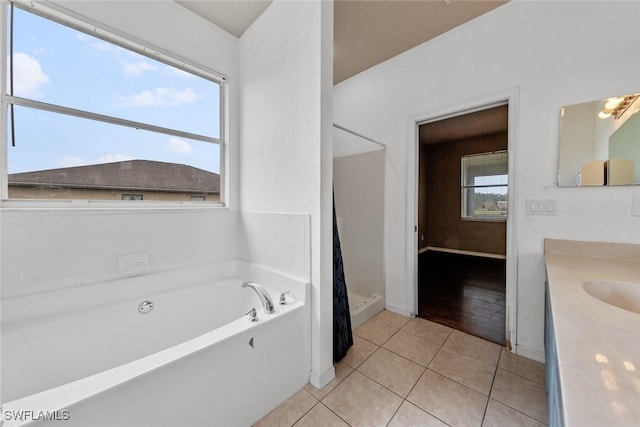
(484, 186)
(90, 119)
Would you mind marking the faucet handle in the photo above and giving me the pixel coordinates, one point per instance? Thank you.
(283, 297)
(253, 316)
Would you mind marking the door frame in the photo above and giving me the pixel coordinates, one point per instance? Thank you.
(511, 97)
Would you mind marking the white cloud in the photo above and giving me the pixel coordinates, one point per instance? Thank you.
(160, 97)
(71, 161)
(28, 76)
(176, 145)
(117, 157)
(137, 68)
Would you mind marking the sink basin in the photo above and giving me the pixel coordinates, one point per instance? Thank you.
(620, 294)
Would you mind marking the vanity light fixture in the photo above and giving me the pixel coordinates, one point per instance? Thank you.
(617, 105)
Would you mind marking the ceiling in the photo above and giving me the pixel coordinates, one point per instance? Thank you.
(233, 16)
(366, 32)
(478, 123)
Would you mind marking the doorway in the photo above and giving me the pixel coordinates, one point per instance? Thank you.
(462, 221)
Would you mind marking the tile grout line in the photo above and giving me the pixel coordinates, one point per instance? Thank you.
(418, 406)
(395, 413)
(425, 369)
(309, 410)
(495, 371)
(381, 385)
(498, 368)
(520, 412)
(406, 358)
(320, 401)
(337, 415)
(366, 358)
(425, 338)
(516, 409)
(522, 376)
(493, 380)
(387, 388)
(404, 399)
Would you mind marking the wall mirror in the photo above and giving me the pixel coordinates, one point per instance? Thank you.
(600, 142)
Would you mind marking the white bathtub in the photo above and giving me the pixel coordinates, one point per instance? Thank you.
(194, 360)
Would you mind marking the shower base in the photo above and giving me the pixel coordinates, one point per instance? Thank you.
(363, 308)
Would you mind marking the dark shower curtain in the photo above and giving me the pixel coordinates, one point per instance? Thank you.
(342, 337)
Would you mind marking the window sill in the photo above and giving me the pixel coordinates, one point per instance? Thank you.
(495, 219)
(99, 205)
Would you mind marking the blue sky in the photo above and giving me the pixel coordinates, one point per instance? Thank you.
(58, 65)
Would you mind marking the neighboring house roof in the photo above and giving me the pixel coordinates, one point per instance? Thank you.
(130, 175)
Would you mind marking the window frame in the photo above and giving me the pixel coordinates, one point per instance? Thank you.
(65, 17)
(463, 187)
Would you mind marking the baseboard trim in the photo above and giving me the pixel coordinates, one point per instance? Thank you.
(530, 353)
(462, 252)
(319, 381)
(397, 309)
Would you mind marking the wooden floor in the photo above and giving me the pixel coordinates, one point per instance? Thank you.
(463, 292)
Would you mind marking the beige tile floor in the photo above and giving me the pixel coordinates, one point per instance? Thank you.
(413, 372)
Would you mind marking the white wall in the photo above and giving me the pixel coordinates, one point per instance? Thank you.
(358, 182)
(280, 241)
(554, 54)
(285, 147)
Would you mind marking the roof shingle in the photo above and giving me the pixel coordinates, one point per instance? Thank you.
(131, 174)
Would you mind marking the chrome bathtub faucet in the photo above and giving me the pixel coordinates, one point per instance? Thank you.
(283, 297)
(267, 303)
(253, 317)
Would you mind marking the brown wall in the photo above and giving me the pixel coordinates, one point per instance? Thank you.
(439, 198)
(28, 192)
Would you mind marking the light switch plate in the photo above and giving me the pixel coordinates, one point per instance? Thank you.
(541, 207)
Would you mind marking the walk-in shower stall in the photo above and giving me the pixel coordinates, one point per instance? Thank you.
(358, 177)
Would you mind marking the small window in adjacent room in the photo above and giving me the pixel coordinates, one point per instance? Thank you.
(132, 197)
(485, 186)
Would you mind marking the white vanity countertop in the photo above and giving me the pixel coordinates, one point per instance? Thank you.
(598, 344)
